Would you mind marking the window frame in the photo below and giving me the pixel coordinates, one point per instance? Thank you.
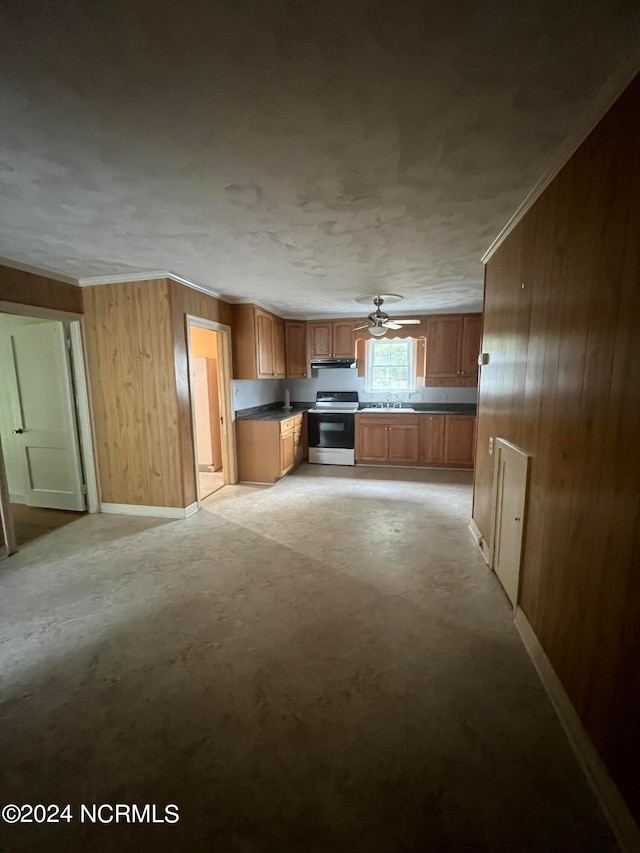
(369, 365)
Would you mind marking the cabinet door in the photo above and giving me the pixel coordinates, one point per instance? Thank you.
(471, 327)
(444, 341)
(264, 345)
(296, 349)
(343, 340)
(372, 443)
(458, 440)
(278, 347)
(403, 445)
(431, 439)
(287, 452)
(321, 339)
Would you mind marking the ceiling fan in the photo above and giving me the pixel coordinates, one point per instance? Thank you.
(379, 321)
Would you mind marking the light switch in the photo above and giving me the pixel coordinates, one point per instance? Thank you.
(491, 446)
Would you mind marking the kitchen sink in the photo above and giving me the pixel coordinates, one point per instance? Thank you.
(387, 409)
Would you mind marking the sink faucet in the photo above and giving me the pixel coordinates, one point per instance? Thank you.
(397, 404)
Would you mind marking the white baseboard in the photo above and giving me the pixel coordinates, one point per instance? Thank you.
(625, 828)
(4, 552)
(152, 511)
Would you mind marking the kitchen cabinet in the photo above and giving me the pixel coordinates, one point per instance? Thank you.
(391, 440)
(287, 451)
(459, 440)
(297, 361)
(332, 339)
(453, 345)
(267, 450)
(432, 439)
(258, 341)
(446, 441)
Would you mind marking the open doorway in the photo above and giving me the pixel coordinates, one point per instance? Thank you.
(43, 433)
(206, 381)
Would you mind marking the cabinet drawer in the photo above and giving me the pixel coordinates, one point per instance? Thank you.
(388, 420)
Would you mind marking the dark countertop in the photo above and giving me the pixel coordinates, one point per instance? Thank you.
(272, 412)
(275, 412)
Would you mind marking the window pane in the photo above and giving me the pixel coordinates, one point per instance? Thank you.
(400, 355)
(381, 352)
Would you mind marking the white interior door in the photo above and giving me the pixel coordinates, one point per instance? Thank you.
(46, 436)
(509, 503)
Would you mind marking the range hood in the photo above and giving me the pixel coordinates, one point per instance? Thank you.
(317, 363)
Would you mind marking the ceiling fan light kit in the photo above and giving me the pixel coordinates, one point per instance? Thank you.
(377, 331)
(379, 321)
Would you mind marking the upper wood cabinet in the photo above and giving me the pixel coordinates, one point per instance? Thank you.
(258, 343)
(332, 339)
(296, 349)
(453, 345)
(279, 362)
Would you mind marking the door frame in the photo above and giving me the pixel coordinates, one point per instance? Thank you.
(228, 437)
(82, 406)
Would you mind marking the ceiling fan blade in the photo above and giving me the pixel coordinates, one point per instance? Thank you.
(391, 324)
(358, 328)
(408, 322)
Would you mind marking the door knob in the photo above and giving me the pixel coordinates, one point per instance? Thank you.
(18, 431)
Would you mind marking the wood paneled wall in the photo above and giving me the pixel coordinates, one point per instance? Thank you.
(129, 340)
(138, 373)
(562, 329)
(26, 288)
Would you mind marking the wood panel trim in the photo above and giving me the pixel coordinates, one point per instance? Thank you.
(613, 805)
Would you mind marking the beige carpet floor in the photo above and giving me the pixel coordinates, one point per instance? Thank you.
(210, 482)
(325, 665)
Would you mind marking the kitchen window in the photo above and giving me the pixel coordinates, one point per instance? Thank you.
(390, 366)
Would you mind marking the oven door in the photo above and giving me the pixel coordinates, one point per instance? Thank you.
(336, 430)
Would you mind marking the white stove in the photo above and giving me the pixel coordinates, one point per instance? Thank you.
(332, 428)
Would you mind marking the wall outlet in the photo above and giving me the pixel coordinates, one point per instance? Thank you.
(445, 398)
(491, 446)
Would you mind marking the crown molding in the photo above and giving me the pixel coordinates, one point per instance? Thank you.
(45, 273)
(155, 275)
(248, 300)
(607, 96)
(96, 280)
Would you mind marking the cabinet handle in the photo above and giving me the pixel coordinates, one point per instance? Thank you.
(462, 373)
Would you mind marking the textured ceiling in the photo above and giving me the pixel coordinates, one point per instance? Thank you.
(293, 152)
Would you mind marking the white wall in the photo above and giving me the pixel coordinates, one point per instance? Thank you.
(10, 406)
(256, 392)
(304, 390)
(259, 392)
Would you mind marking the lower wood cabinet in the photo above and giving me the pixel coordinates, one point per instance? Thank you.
(393, 440)
(459, 444)
(430, 440)
(267, 450)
